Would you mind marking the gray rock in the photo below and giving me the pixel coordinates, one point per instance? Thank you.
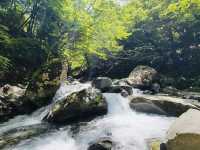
(155, 88)
(184, 134)
(147, 108)
(80, 105)
(170, 105)
(184, 94)
(12, 92)
(11, 101)
(102, 144)
(120, 89)
(121, 82)
(142, 77)
(102, 83)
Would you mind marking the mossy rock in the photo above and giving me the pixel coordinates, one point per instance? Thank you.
(80, 105)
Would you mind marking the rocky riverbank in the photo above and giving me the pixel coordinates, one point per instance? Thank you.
(75, 102)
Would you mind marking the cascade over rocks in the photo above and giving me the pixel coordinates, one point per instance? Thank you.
(184, 134)
(79, 105)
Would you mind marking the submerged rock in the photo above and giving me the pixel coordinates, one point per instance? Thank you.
(14, 136)
(142, 77)
(102, 83)
(161, 104)
(184, 134)
(102, 144)
(80, 105)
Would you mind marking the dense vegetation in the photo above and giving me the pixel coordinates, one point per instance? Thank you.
(100, 37)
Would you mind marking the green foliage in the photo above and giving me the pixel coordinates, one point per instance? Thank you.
(94, 26)
(161, 33)
(4, 64)
(165, 36)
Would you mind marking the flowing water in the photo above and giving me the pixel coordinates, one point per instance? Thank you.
(128, 129)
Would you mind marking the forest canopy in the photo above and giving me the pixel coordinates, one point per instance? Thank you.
(159, 33)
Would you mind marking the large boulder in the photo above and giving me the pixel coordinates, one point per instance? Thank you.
(184, 134)
(102, 83)
(45, 83)
(15, 100)
(79, 105)
(102, 144)
(12, 92)
(142, 77)
(12, 102)
(161, 104)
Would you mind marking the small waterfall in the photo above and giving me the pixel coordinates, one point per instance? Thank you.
(63, 91)
(128, 129)
(136, 92)
(117, 104)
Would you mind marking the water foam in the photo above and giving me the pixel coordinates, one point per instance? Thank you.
(128, 129)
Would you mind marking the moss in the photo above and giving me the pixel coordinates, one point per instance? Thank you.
(184, 142)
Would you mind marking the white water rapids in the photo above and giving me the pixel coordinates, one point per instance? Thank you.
(129, 129)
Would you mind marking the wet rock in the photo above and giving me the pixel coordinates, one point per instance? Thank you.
(171, 91)
(80, 105)
(170, 105)
(102, 83)
(124, 93)
(121, 82)
(184, 134)
(142, 77)
(147, 107)
(17, 135)
(148, 92)
(155, 88)
(191, 95)
(184, 94)
(121, 89)
(102, 144)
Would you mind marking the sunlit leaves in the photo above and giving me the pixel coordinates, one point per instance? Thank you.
(94, 27)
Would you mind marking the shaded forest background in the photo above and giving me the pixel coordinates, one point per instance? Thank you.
(101, 38)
